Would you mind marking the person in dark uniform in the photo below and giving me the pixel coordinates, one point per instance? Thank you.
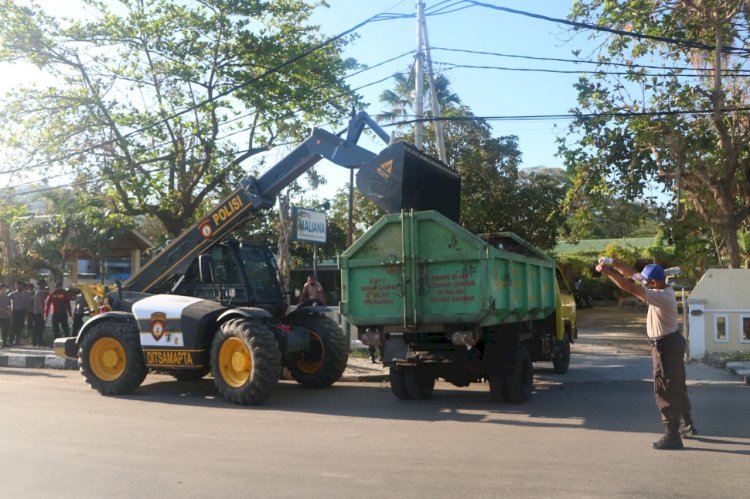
(18, 304)
(667, 346)
(40, 300)
(5, 315)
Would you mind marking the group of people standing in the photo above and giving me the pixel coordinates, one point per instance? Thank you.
(30, 308)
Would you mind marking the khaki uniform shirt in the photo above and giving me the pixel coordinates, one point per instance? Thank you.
(314, 292)
(662, 317)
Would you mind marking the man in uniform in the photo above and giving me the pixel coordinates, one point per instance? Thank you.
(18, 305)
(667, 345)
(4, 315)
(40, 300)
(314, 293)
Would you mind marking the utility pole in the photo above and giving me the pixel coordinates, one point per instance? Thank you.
(422, 61)
(419, 81)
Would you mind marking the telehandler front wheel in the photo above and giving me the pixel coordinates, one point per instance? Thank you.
(245, 361)
(110, 358)
(323, 363)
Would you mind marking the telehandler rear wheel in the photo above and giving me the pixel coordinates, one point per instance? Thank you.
(245, 361)
(110, 358)
(323, 363)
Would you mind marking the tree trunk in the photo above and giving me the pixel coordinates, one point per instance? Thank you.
(284, 239)
(732, 245)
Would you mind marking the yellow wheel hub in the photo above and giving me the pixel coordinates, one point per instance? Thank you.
(312, 359)
(108, 359)
(235, 362)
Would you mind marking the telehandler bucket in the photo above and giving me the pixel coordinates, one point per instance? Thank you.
(402, 177)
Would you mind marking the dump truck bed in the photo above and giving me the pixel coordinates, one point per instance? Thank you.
(417, 269)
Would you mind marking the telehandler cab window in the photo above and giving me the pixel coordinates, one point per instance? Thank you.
(225, 278)
(261, 273)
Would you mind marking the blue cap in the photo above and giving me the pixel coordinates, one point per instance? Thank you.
(654, 272)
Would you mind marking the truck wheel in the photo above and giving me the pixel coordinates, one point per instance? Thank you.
(110, 358)
(245, 361)
(520, 381)
(561, 356)
(323, 363)
(418, 385)
(398, 383)
(497, 391)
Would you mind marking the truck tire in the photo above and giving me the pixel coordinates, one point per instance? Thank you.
(323, 363)
(398, 383)
(561, 356)
(519, 382)
(497, 391)
(110, 358)
(418, 385)
(245, 361)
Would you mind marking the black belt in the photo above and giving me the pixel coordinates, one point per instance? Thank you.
(658, 341)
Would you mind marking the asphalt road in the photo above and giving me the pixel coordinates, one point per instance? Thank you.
(584, 434)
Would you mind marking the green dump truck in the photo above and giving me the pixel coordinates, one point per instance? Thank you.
(444, 303)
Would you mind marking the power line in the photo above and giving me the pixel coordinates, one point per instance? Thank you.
(570, 116)
(450, 66)
(577, 61)
(632, 34)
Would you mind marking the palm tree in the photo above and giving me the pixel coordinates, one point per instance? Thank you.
(400, 99)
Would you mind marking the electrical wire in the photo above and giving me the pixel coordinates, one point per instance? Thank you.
(593, 27)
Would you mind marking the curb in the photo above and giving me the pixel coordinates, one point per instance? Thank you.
(741, 369)
(37, 362)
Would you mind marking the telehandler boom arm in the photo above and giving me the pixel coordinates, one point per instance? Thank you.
(251, 196)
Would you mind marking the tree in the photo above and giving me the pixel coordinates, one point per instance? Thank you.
(695, 145)
(152, 97)
(400, 99)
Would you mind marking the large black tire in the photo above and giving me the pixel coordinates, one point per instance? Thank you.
(519, 381)
(398, 383)
(245, 361)
(561, 356)
(323, 363)
(497, 391)
(189, 374)
(110, 358)
(418, 385)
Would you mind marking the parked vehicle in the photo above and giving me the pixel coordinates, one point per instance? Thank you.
(444, 303)
(207, 303)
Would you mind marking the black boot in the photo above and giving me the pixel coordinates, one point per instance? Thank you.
(687, 427)
(671, 439)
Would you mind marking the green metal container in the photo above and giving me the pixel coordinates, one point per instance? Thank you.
(420, 270)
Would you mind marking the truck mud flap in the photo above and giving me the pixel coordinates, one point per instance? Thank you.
(402, 177)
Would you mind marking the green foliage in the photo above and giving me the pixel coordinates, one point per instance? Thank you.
(137, 108)
(701, 159)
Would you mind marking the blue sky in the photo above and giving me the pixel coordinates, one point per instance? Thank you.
(488, 92)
